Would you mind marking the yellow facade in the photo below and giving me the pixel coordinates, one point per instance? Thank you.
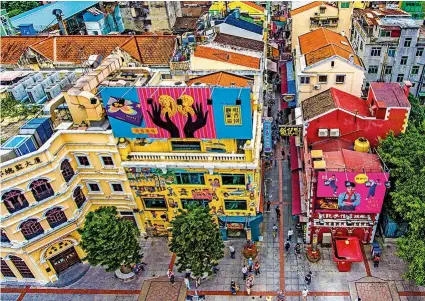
(56, 209)
(219, 7)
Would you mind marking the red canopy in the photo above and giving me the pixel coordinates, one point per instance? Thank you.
(347, 249)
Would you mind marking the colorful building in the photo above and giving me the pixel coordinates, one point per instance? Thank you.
(6, 27)
(415, 8)
(220, 8)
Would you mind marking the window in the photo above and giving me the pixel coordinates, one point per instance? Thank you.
(66, 170)
(388, 69)
(233, 179)
(22, 267)
(323, 79)
(403, 60)
(305, 80)
(340, 79)
(391, 51)
(361, 45)
(31, 228)
(186, 203)
(4, 237)
(166, 76)
(83, 161)
(107, 161)
(235, 205)
(345, 4)
(190, 178)
(322, 10)
(41, 189)
(375, 51)
(400, 78)
(415, 70)
(117, 187)
(79, 197)
(5, 270)
(155, 203)
(55, 217)
(407, 42)
(373, 69)
(419, 52)
(385, 33)
(93, 187)
(14, 201)
(186, 145)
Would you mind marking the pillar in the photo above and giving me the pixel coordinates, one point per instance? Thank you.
(248, 151)
(13, 268)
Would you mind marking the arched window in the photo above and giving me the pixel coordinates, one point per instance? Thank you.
(22, 267)
(67, 171)
(31, 228)
(5, 270)
(4, 237)
(55, 217)
(14, 200)
(79, 197)
(41, 189)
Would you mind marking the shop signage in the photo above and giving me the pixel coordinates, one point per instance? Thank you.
(201, 194)
(288, 98)
(235, 226)
(18, 167)
(289, 130)
(267, 136)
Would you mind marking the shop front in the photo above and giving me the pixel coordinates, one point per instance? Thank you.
(246, 227)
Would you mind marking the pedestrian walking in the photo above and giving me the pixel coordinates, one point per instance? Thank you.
(187, 282)
(376, 261)
(287, 246)
(307, 278)
(277, 211)
(170, 276)
(249, 283)
(268, 205)
(250, 264)
(358, 299)
(290, 233)
(233, 287)
(280, 296)
(304, 293)
(283, 154)
(232, 251)
(297, 250)
(245, 272)
(198, 282)
(257, 268)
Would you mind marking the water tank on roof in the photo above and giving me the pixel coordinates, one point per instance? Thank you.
(361, 145)
(27, 30)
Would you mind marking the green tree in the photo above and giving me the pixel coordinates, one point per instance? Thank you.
(405, 156)
(110, 241)
(14, 8)
(196, 241)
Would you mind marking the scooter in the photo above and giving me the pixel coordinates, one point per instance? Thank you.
(138, 267)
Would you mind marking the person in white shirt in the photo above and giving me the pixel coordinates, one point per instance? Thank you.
(232, 251)
(290, 233)
(187, 282)
(304, 294)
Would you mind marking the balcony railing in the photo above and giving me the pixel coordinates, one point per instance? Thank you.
(315, 25)
(139, 156)
(185, 65)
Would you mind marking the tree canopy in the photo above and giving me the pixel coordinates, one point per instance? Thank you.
(108, 240)
(196, 241)
(405, 156)
(15, 8)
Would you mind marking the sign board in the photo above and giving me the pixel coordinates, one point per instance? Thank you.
(289, 130)
(267, 136)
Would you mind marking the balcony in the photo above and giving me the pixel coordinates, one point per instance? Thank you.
(180, 66)
(186, 157)
(314, 25)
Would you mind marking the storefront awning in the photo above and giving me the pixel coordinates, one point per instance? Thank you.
(294, 153)
(239, 219)
(347, 249)
(296, 193)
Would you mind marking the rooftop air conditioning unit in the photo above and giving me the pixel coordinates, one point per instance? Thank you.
(199, 84)
(45, 82)
(17, 91)
(323, 133)
(180, 84)
(72, 77)
(53, 91)
(36, 93)
(37, 76)
(27, 81)
(316, 87)
(132, 65)
(54, 76)
(63, 82)
(334, 133)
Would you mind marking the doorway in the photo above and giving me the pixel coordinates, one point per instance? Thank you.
(64, 260)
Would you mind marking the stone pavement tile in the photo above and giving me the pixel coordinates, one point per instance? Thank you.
(49, 297)
(9, 297)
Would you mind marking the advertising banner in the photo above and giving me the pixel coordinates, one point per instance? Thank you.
(350, 192)
(179, 112)
(267, 136)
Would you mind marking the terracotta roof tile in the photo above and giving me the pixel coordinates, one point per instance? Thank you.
(12, 48)
(193, 11)
(224, 79)
(227, 57)
(323, 43)
(196, 3)
(389, 95)
(307, 7)
(352, 161)
(255, 45)
(185, 23)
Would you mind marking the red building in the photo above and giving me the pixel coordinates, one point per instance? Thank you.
(337, 115)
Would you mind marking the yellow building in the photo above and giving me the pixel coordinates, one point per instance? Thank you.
(320, 14)
(245, 7)
(45, 197)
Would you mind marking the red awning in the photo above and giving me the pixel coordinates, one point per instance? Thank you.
(347, 249)
(294, 154)
(283, 79)
(296, 193)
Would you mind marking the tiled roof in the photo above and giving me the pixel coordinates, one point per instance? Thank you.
(232, 20)
(193, 11)
(323, 43)
(227, 57)
(389, 95)
(196, 3)
(307, 7)
(372, 16)
(253, 5)
(352, 161)
(185, 23)
(331, 99)
(224, 79)
(239, 42)
(153, 50)
(12, 48)
(332, 144)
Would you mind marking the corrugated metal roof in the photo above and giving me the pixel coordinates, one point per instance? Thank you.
(231, 20)
(42, 16)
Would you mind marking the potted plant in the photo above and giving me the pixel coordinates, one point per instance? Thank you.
(250, 250)
(313, 254)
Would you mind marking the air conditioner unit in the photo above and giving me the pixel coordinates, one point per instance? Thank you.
(181, 84)
(18, 92)
(45, 82)
(37, 76)
(316, 87)
(198, 84)
(53, 91)
(27, 81)
(54, 76)
(63, 82)
(334, 133)
(36, 93)
(72, 77)
(323, 133)
(132, 65)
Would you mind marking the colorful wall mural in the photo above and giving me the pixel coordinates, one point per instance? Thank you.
(179, 112)
(350, 192)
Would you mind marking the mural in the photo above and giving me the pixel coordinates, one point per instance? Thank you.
(179, 112)
(351, 192)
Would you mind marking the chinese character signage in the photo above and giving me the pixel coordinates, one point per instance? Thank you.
(289, 130)
(179, 112)
(267, 136)
(20, 166)
(232, 115)
(350, 192)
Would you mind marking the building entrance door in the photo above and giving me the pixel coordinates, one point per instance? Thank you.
(64, 260)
